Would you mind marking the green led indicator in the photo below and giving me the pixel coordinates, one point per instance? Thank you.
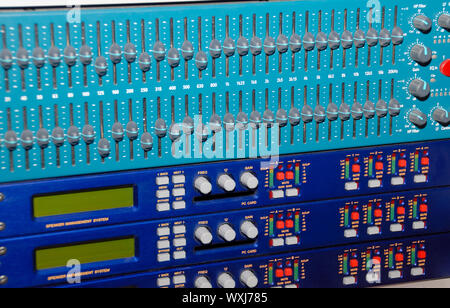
(271, 177)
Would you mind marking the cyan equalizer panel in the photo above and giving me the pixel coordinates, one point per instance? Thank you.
(171, 85)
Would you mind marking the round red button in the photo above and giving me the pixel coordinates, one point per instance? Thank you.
(445, 68)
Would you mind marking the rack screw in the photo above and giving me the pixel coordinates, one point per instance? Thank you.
(3, 279)
(3, 250)
(2, 197)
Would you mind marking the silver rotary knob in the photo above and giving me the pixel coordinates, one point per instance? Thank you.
(203, 185)
(226, 182)
(226, 232)
(226, 281)
(248, 278)
(249, 229)
(203, 235)
(249, 180)
(202, 282)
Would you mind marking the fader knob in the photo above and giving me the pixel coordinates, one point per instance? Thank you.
(248, 278)
(308, 41)
(226, 281)
(444, 21)
(420, 89)
(421, 54)
(418, 118)
(202, 282)
(359, 38)
(249, 229)
(422, 23)
(394, 107)
(226, 182)
(397, 36)
(249, 180)
(203, 185)
(226, 232)
(385, 37)
(369, 110)
(441, 116)
(203, 235)
(321, 41)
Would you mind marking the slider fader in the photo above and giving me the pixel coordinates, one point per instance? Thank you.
(225, 144)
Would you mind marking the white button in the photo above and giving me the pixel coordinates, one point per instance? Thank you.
(181, 254)
(277, 242)
(162, 207)
(395, 274)
(178, 178)
(226, 182)
(374, 183)
(291, 240)
(163, 257)
(203, 185)
(373, 277)
(249, 279)
(163, 231)
(178, 229)
(249, 229)
(291, 286)
(179, 242)
(163, 282)
(226, 232)
(162, 194)
(178, 192)
(373, 230)
(163, 244)
(417, 271)
(396, 228)
(417, 225)
(179, 279)
(162, 180)
(351, 186)
(420, 178)
(349, 280)
(277, 194)
(179, 205)
(349, 233)
(398, 180)
(249, 180)
(203, 235)
(292, 192)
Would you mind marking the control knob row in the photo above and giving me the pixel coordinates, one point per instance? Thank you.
(226, 182)
(226, 232)
(419, 119)
(226, 281)
(424, 23)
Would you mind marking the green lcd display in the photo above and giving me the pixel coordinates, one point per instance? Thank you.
(83, 201)
(108, 250)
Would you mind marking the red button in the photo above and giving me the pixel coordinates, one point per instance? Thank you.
(423, 208)
(356, 168)
(279, 273)
(355, 216)
(445, 68)
(400, 210)
(289, 223)
(280, 224)
(289, 175)
(402, 163)
(376, 260)
(288, 272)
(399, 257)
(422, 254)
(378, 165)
(353, 263)
(378, 213)
(425, 161)
(280, 176)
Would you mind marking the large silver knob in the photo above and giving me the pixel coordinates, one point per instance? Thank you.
(249, 180)
(420, 89)
(418, 118)
(226, 281)
(203, 235)
(444, 21)
(203, 185)
(441, 116)
(249, 229)
(421, 54)
(422, 23)
(202, 282)
(226, 182)
(226, 232)
(248, 278)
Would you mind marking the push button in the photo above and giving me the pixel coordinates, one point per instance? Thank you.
(420, 178)
(350, 233)
(418, 225)
(178, 178)
(162, 180)
(351, 186)
(277, 242)
(349, 280)
(445, 68)
(289, 175)
(163, 282)
(276, 194)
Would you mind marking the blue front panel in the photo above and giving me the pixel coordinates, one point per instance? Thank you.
(63, 118)
(176, 242)
(315, 176)
(318, 268)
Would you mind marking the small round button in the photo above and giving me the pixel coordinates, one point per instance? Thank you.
(249, 180)
(249, 279)
(226, 182)
(202, 282)
(445, 68)
(249, 229)
(203, 185)
(226, 281)
(203, 235)
(226, 232)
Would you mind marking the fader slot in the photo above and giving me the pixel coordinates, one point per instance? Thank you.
(22, 58)
(103, 146)
(38, 57)
(6, 58)
(100, 63)
(54, 56)
(269, 44)
(70, 56)
(144, 58)
(26, 138)
(85, 54)
(42, 137)
(131, 129)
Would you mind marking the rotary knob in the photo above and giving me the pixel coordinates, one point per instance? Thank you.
(248, 278)
(421, 54)
(444, 21)
(418, 118)
(420, 89)
(249, 229)
(422, 23)
(202, 282)
(226, 281)
(203, 235)
(441, 116)
(226, 182)
(249, 180)
(226, 232)
(203, 185)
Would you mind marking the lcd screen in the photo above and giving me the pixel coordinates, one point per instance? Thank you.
(83, 201)
(108, 250)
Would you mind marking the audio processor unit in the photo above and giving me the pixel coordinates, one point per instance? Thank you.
(224, 144)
